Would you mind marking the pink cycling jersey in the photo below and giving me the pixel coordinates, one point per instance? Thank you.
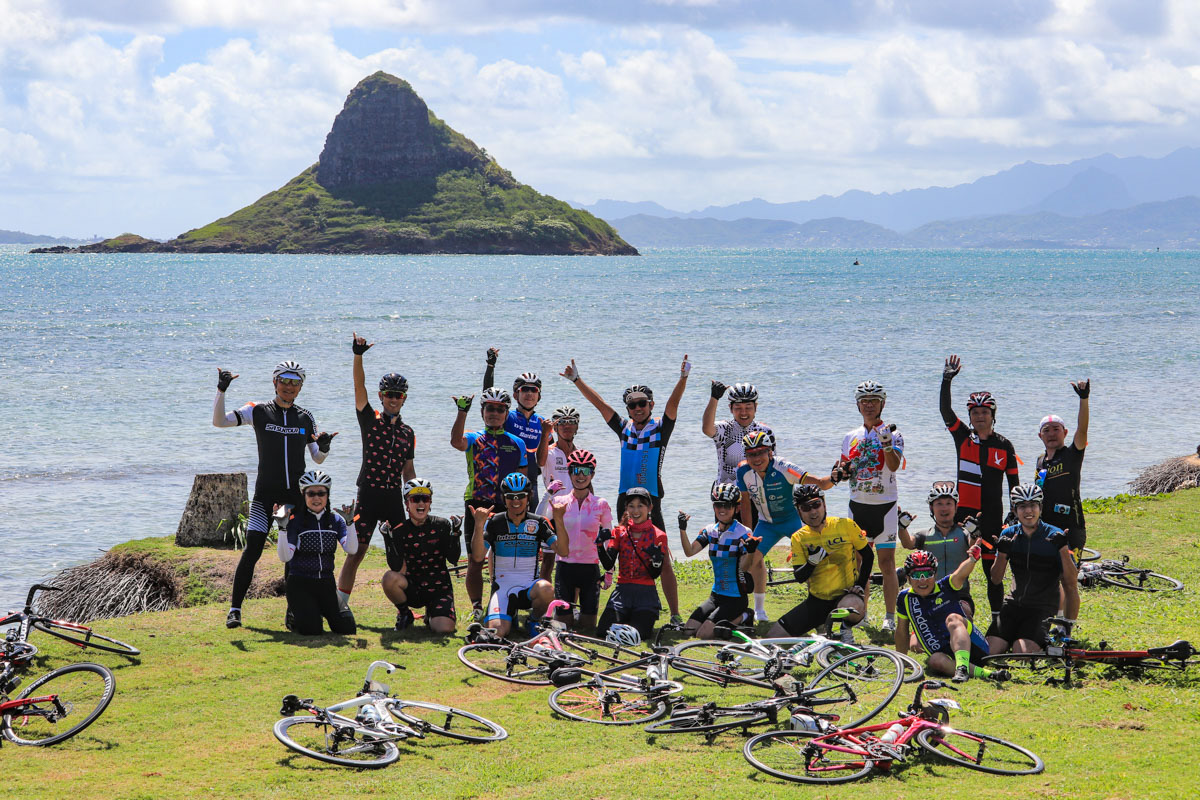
(583, 521)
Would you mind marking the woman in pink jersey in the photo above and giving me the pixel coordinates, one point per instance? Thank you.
(582, 514)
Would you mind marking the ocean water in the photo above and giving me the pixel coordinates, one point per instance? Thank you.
(109, 363)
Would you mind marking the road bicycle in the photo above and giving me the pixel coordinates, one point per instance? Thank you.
(73, 632)
(55, 706)
(848, 754)
(379, 721)
(1067, 655)
(1118, 573)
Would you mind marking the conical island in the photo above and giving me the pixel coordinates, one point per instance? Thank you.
(393, 178)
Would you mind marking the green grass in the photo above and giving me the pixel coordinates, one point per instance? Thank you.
(194, 716)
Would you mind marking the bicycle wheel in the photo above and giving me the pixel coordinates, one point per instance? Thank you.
(59, 705)
(797, 756)
(740, 658)
(607, 704)
(1140, 580)
(507, 662)
(980, 751)
(913, 671)
(722, 674)
(446, 721)
(857, 687)
(345, 745)
(84, 636)
(708, 720)
(599, 650)
(1088, 554)
(1030, 664)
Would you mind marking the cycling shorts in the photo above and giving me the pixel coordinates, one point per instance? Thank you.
(879, 523)
(1023, 622)
(376, 506)
(436, 599)
(584, 578)
(772, 532)
(506, 601)
(721, 608)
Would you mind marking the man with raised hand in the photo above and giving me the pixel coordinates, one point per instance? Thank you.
(419, 551)
(523, 422)
(283, 431)
(985, 460)
(948, 541)
(388, 446)
(1058, 471)
(728, 433)
(872, 454)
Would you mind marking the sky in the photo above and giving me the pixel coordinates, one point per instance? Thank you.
(158, 116)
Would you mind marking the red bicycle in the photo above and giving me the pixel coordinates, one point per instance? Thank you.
(54, 707)
(74, 632)
(839, 756)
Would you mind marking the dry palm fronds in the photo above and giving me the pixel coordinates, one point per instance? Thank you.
(115, 585)
(1172, 474)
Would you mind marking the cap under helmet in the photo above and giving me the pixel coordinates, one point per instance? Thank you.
(284, 367)
(634, 390)
(418, 486)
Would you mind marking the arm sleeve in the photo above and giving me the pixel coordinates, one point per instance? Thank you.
(287, 544)
(315, 452)
(232, 419)
(451, 544)
(948, 415)
(804, 571)
(864, 569)
(391, 551)
(489, 377)
(607, 557)
(349, 543)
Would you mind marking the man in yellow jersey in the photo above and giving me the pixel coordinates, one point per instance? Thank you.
(832, 554)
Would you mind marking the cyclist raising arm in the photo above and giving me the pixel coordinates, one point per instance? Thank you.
(1058, 471)
(643, 553)
(727, 434)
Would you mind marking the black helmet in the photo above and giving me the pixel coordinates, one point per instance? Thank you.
(393, 382)
(803, 492)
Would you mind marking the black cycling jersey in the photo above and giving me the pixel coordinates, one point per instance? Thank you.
(283, 434)
(387, 446)
(1062, 505)
(983, 465)
(424, 550)
(1036, 564)
(315, 540)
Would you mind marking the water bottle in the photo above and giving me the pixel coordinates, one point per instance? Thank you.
(892, 733)
(657, 673)
(805, 722)
(368, 715)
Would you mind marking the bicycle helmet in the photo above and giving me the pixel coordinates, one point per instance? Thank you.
(981, 400)
(743, 393)
(803, 492)
(418, 486)
(315, 477)
(393, 382)
(515, 483)
(920, 559)
(566, 414)
(624, 635)
(581, 458)
(637, 389)
(288, 369)
(726, 493)
(942, 489)
(869, 389)
(527, 379)
(756, 439)
(1025, 493)
(497, 396)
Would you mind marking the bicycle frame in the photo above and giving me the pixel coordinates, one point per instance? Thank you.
(375, 694)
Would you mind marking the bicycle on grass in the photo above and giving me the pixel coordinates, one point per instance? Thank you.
(848, 754)
(1111, 572)
(368, 739)
(55, 706)
(73, 632)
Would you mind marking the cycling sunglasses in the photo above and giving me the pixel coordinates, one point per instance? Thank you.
(400, 395)
(582, 470)
(723, 504)
(637, 404)
(921, 574)
(421, 498)
(290, 382)
(316, 493)
(811, 505)
(516, 496)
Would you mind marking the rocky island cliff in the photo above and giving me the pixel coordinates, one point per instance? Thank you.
(394, 178)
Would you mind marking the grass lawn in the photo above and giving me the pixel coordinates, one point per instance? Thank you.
(193, 718)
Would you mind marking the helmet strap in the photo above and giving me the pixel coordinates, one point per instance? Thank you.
(494, 431)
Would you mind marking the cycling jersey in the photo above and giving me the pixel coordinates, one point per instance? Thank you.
(725, 549)
(528, 430)
(583, 522)
(313, 540)
(387, 446)
(841, 538)
(771, 492)
(491, 457)
(642, 452)
(516, 548)
(982, 468)
(632, 552)
(927, 615)
(422, 552)
(871, 482)
(1062, 505)
(949, 548)
(1036, 563)
(556, 470)
(730, 453)
(282, 435)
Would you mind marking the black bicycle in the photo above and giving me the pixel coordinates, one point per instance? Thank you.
(1111, 572)
(76, 633)
(57, 705)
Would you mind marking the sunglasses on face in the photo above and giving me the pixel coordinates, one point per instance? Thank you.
(723, 504)
(420, 498)
(637, 404)
(515, 497)
(290, 382)
(758, 451)
(921, 574)
(317, 493)
(529, 389)
(811, 505)
(395, 395)
(582, 470)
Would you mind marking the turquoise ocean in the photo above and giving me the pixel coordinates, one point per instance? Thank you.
(109, 363)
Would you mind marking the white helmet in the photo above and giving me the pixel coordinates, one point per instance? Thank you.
(418, 486)
(942, 489)
(567, 414)
(624, 635)
(284, 367)
(1025, 493)
(315, 477)
(497, 396)
(743, 393)
(869, 389)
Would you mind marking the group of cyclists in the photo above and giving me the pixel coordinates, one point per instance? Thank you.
(561, 540)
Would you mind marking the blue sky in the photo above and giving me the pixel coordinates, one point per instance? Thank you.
(156, 117)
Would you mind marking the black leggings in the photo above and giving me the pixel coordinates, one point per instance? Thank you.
(245, 567)
(808, 615)
(995, 591)
(643, 620)
(310, 599)
(258, 524)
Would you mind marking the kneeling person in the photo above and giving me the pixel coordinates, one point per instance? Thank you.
(642, 550)
(418, 550)
(730, 545)
(514, 539)
(308, 547)
(832, 554)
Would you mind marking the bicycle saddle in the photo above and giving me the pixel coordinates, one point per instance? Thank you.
(1179, 649)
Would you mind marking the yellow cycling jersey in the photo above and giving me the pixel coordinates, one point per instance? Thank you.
(841, 539)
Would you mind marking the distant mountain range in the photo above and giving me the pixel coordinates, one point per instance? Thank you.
(1170, 225)
(20, 237)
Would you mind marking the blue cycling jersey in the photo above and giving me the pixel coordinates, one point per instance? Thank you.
(642, 452)
(725, 548)
(927, 615)
(528, 431)
(516, 546)
(771, 492)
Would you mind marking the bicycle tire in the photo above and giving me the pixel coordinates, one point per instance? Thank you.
(1088, 554)
(1137, 580)
(738, 657)
(717, 720)
(716, 672)
(1032, 663)
(455, 723)
(790, 755)
(602, 650)
(36, 725)
(84, 636)
(371, 754)
(609, 704)
(913, 671)
(493, 660)
(873, 676)
(953, 745)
